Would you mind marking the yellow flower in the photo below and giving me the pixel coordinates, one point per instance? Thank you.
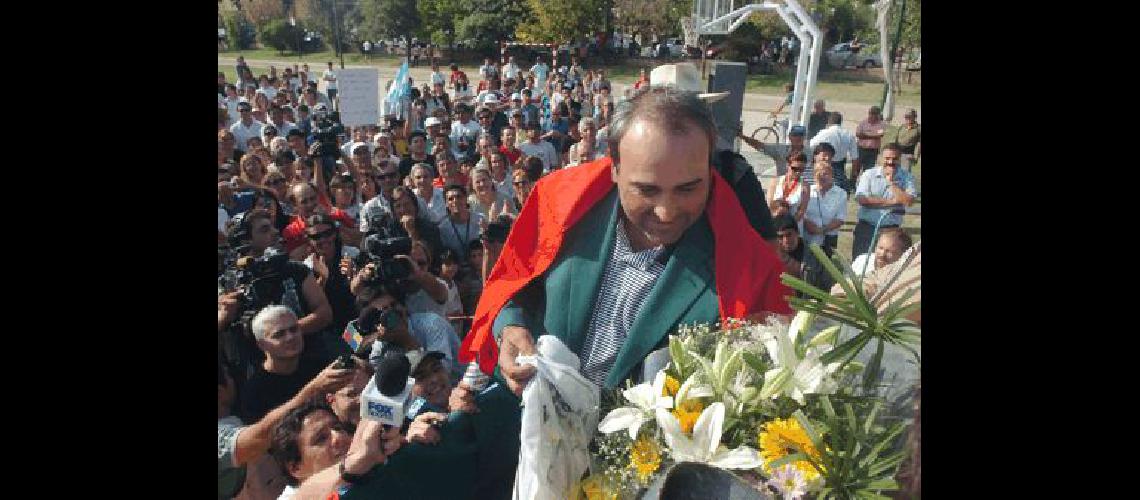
(594, 488)
(687, 413)
(780, 438)
(645, 457)
(671, 386)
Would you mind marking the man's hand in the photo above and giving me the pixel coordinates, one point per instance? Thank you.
(228, 306)
(408, 222)
(516, 341)
(331, 379)
(422, 430)
(371, 445)
(320, 268)
(346, 267)
(462, 399)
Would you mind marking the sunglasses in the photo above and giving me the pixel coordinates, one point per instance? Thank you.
(322, 235)
(393, 175)
(521, 183)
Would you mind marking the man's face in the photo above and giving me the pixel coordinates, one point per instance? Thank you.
(464, 116)
(797, 141)
(403, 205)
(509, 137)
(422, 179)
(446, 168)
(533, 134)
(322, 239)
(296, 142)
(362, 158)
(346, 401)
(283, 339)
(322, 443)
(788, 239)
(887, 251)
(305, 199)
(910, 119)
(498, 169)
(873, 116)
(437, 90)
(456, 203)
(435, 388)
(663, 182)
(434, 130)
(245, 114)
(264, 235)
(890, 160)
(486, 147)
(820, 107)
(823, 157)
(485, 120)
(482, 182)
(417, 144)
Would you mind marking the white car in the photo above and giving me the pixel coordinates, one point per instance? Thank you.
(840, 56)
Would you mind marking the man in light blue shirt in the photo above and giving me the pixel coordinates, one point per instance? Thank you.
(882, 193)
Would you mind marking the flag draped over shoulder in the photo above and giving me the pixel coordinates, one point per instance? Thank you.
(397, 91)
(747, 268)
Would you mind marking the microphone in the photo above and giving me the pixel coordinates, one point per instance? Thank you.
(385, 397)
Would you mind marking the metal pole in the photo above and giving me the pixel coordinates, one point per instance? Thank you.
(336, 34)
(894, 49)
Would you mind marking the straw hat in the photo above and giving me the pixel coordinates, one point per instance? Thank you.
(682, 76)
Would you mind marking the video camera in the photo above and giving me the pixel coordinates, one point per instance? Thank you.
(258, 279)
(382, 251)
(326, 130)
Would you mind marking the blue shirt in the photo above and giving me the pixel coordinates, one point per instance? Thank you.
(873, 183)
(626, 283)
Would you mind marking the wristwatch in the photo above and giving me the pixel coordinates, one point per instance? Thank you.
(350, 478)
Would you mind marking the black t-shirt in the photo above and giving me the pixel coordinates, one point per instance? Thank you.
(407, 162)
(265, 391)
(798, 253)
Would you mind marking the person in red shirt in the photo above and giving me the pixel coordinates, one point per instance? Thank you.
(306, 203)
(509, 146)
(448, 171)
(642, 81)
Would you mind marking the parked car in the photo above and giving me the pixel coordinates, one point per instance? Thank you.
(841, 56)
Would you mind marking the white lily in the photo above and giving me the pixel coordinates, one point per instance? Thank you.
(646, 398)
(704, 446)
(792, 375)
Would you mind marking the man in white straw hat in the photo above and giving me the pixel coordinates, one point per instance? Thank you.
(682, 76)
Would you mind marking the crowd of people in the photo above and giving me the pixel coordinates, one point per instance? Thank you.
(337, 241)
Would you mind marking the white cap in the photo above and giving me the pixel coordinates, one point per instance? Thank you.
(516, 96)
(431, 120)
(490, 98)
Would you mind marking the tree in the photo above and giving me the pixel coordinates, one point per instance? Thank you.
(562, 20)
(281, 35)
(651, 18)
(318, 15)
(260, 12)
(440, 18)
(391, 18)
(493, 21)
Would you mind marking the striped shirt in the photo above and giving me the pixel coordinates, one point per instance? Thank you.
(626, 282)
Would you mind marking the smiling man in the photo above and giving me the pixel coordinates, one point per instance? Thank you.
(648, 241)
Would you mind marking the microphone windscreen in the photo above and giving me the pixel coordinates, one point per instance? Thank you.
(392, 374)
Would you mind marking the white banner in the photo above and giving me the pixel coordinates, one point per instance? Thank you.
(359, 93)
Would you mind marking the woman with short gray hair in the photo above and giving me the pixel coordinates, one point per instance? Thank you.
(585, 150)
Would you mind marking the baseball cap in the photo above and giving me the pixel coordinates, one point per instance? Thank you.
(797, 130)
(269, 129)
(490, 98)
(321, 107)
(516, 96)
(431, 120)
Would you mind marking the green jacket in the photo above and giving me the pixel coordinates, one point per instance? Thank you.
(561, 301)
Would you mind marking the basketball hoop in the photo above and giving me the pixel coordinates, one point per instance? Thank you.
(689, 29)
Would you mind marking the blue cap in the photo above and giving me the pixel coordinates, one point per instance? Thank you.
(797, 130)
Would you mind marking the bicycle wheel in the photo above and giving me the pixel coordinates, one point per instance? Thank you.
(769, 136)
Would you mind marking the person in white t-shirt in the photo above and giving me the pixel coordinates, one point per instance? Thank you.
(541, 71)
(826, 211)
(511, 70)
(330, 82)
(246, 127)
(544, 150)
(437, 77)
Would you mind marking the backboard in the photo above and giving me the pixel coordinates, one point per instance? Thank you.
(708, 10)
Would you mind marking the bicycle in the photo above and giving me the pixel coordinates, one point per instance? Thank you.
(770, 131)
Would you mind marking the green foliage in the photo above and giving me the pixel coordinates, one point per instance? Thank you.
(439, 19)
(859, 453)
(390, 18)
(562, 21)
(486, 23)
(651, 18)
(280, 35)
(318, 15)
(237, 31)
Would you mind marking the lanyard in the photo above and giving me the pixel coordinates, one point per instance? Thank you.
(466, 234)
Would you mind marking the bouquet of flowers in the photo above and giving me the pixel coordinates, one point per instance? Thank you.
(785, 406)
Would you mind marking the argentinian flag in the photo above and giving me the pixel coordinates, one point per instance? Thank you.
(398, 91)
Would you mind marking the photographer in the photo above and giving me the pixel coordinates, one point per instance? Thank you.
(386, 317)
(404, 219)
(493, 240)
(331, 261)
(256, 281)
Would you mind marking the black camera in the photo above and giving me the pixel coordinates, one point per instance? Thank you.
(382, 252)
(325, 133)
(258, 279)
(344, 362)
